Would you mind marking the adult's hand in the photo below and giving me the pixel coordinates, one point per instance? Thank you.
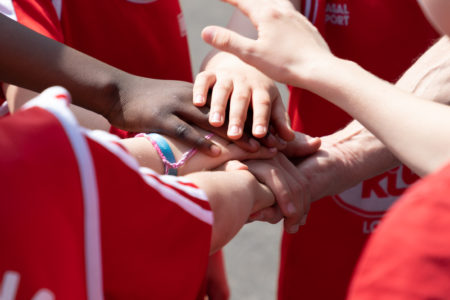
(284, 180)
(242, 86)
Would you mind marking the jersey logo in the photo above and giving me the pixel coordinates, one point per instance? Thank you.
(371, 198)
(337, 14)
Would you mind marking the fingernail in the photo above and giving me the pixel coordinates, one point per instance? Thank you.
(216, 117)
(215, 150)
(234, 130)
(291, 208)
(273, 149)
(293, 229)
(260, 130)
(208, 34)
(198, 99)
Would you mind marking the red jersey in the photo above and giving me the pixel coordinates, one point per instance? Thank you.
(384, 37)
(408, 257)
(145, 38)
(70, 230)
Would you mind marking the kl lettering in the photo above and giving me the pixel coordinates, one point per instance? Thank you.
(337, 14)
(10, 284)
(373, 185)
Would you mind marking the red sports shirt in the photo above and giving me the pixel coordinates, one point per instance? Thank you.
(145, 38)
(408, 257)
(384, 37)
(70, 230)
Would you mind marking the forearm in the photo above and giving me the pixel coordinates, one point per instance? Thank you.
(345, 158)
(36, 62)
(233, 197)
(389, 113)
(142, 149)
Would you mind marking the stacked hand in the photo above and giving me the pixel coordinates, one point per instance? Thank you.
(287, 184)
(243, 86)
(171, 112)
(289, 60)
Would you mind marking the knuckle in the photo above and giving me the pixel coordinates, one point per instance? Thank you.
(202, 77)
(224, 85)
(201, 143)
(241, 97)
(222, 40)
(181, 130)
(264, 102)
(271, 13)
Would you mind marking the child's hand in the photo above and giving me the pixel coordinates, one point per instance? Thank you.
(244, 87)
(288, 47)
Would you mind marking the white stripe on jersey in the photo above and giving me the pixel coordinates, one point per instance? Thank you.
(307, 8)
(57, 4)
(7, 8)
(197, 211)
(175, 182)
(316, 7)
(194, 209)
(59, 108)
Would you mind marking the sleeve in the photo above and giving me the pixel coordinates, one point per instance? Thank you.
(156, 230)
(86, 207)
(40, 15)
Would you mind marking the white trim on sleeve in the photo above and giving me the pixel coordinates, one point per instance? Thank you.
(7, 8)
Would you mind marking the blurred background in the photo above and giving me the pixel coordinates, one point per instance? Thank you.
(252, 258)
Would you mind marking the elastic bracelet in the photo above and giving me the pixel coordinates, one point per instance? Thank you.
(165, 153)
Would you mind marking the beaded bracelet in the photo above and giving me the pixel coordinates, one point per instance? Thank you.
(165, 153)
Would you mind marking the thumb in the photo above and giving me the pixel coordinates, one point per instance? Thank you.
(229, 41)
(232, 165)
(302, 145)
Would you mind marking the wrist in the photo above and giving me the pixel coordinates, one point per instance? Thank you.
(110, 100)
(347, 157)
(318, 74)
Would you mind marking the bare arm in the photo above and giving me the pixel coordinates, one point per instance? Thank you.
(353, 154)
(134, 103)
(233, 196)
(411, 127)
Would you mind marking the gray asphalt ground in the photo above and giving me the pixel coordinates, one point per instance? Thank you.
(252, 257)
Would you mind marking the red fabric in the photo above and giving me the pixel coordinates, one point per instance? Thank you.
(143, 39)
(41, 208)
(408, 256)
(215, 284)
(385, 37)
(152, 247)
